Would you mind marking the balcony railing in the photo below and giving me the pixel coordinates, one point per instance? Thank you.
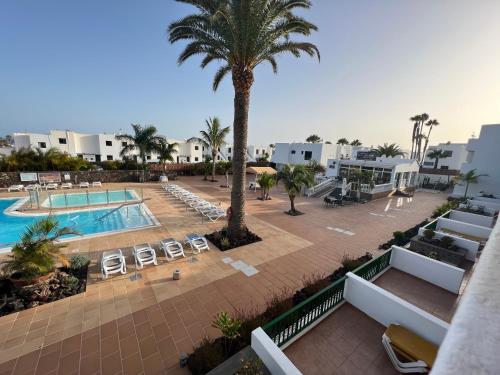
(290, 324)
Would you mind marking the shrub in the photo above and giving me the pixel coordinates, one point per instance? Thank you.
(225, 243)
(314, 283)
(206, 356)
(78, 262)
(278, 304)
(400, 238)
(444, 208)
(251, 367)
(429, 234)
(446, 242)
(229, 327)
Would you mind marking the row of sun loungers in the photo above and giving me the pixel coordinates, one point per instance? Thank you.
(52, 186)
(114, 261)
(200, 205)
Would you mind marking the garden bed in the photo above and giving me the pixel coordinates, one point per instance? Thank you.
(402, 238)
(433, 249)
(220, 239)
(64, 282)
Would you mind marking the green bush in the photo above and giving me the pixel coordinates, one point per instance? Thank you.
(206, 356)
(251, 367)
(429, 234)
(444, 208)
(77, 262)
(400, 238)
(446, 242)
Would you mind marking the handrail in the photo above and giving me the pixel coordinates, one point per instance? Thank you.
(322, 184)
(121, 206)
(288, 325)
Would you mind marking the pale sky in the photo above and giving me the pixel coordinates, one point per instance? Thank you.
(98, 66)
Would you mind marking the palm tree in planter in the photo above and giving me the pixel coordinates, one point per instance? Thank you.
(266, 181)
(295, 178)
(242, 35)
(389, 150)
(214, 137)
(469, 177)
(436, 155)
(35, 257)
(166, 153)
(145, 140)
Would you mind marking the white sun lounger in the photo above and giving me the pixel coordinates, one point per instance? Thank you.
(215, 214)
(113, 262)
(199, 204)
(197, 242)
(206, 209)
(84, 184)
(66, 185)
(96, 184)
(172, 248)
(15, 188)
(144, 254)
(33, 187)
(52, 186)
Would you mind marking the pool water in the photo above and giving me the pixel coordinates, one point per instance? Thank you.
(87, 222)
(89, 198)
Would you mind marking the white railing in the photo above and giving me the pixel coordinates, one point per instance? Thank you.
(319, 186)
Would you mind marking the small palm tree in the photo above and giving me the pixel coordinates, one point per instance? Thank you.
(242, 35)
(38, 252)
(295, 178)
(343, 141)
(166, 153)
(436, 155)
(225, 167)
(145, 140)
(314, 138)
(266, 181)
(356, 142)
(315, 167)
(469, 177)
(389, 150)
(214, 137)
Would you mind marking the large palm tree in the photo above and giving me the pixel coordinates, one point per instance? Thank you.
(389, 150)
(314, 138)
(145, 140)
(166, 152)
(295, 178)
(241, 35)
(214, 137)
(343, 141)
(470, 177)
(430, 124)
(356, 142)
(436, 155)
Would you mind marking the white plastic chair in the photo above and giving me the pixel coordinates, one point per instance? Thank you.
(197, 242)
(172, 248)
(15, 188)
(144, 254)
(52, 186)
(96, 184)
(84, 184)
(113, 262)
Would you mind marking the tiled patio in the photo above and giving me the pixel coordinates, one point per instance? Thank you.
(348, 342)
(142, 326)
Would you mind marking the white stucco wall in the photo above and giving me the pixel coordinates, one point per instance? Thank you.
(467, 217)
(435, 272)
(464, 228)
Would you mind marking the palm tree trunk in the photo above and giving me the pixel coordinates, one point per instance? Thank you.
(466, 189)
(436, 163)
(242, 82)
(292, 203)
(214, 154)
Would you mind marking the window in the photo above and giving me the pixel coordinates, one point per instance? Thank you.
(203, 148)
(98, 158)
(293, 152)
(470, 156)
(428, 163)
(447, 153)
(229, 158)
(124, 144)
(109, 143)
(218, 157)
(308, 155)
(229, 150)
(444, 167)
(42, 144)
(148, 157)
(218, 149)
(188, 159)
(109, 157)
(196, 147)
(196, 158)
(256, 151)
(62, 141)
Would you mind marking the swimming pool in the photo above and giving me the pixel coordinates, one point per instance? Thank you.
(89, 198)
(87, 222)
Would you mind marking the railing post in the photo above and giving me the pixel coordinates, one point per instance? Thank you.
(107, 196)
(65, 200)
(88, 202)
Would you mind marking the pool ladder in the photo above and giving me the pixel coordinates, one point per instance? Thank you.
(121, 206)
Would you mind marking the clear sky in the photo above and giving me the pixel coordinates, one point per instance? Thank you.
(96, 66)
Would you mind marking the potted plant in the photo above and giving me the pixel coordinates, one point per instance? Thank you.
(35, 257)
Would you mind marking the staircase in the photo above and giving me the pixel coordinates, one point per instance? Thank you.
(322, 189)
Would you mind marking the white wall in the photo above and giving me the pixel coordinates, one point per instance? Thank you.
(494, 206)
(472, 247)
(294, 153)
(468, 217)
(275, 360)
(486, 199)
(464, 228)
(386, 308)
(454, 162)
(435, 272)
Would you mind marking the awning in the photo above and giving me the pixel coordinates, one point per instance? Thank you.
(261, 170)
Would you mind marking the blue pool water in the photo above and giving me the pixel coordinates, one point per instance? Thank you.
(85, 221)
(90, 198)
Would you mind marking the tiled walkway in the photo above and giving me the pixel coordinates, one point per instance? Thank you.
(135, 327)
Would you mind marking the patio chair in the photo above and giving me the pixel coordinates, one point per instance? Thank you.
(52, 186)
(96, 184)
(400, 342)
(196, 242)
(205, 209)
(15, 188)
(172, 248)
(198, 203)
(84, 184)
(66, 185)
(113, 262)
(144, 254)
(33, 187)
(215, 215)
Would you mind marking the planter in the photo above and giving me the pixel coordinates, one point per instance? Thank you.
(23, 282)
(454, 257)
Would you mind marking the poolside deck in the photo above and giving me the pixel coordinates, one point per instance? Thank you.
(142, 326)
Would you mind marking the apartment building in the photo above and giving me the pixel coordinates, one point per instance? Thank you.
(442, 170)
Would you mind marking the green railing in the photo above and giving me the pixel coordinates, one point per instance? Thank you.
(288, 325)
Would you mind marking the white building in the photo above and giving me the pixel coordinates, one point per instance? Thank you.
(483, 155)
(303, 153)
(444, 169)
(254, 152)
